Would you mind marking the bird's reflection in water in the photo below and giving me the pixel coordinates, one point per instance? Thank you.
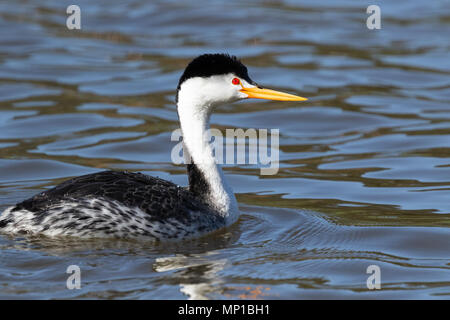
(196, 264)
(198, 274)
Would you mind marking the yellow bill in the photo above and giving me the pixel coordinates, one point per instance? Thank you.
(259, 93)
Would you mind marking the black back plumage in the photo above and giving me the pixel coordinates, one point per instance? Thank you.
(159, 198)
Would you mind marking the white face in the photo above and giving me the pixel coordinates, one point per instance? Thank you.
(212, 91)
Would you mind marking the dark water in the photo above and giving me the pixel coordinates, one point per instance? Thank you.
(364, 173)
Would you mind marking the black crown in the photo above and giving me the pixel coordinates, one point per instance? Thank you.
(208, 65)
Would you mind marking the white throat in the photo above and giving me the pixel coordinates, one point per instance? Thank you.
(194, 114)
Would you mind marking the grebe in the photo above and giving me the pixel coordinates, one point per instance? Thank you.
(132, 205)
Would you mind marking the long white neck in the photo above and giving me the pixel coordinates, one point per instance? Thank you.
(206, 178)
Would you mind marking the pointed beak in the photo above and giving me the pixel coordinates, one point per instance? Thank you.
(260, 93)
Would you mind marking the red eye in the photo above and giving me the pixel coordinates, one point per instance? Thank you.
(236, 81)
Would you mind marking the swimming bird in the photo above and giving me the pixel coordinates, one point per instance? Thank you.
(133, 205)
